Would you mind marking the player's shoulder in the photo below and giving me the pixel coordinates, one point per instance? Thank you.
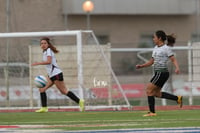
(167, 47)
(49, 50)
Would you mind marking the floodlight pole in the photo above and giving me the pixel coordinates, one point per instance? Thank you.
(88, 7)
(197, 20)
(7, 53)
(88, 20)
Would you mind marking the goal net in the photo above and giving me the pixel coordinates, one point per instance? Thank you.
(85, 63)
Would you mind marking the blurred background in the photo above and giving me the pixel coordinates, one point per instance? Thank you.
(124, 25)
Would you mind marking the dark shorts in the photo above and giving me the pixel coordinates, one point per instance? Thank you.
(57, 77)
(160, 78)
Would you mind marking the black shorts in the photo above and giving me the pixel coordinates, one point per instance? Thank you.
(57, 77)
(160, 78)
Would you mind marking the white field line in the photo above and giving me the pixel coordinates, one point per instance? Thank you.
(100, 121)
(135, 130)
(109, 124)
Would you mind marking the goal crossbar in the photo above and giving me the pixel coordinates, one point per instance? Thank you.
(39, 34)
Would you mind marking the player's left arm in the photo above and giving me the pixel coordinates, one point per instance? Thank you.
(174, 61)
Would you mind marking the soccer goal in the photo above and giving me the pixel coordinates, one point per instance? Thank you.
(86, 66)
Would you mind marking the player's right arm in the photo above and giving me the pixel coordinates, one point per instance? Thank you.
(149, 63)
(48, 61)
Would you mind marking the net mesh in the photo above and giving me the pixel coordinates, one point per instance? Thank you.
(97, 80)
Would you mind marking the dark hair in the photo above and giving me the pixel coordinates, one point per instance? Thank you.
(161, 34)
(53, 48)
(171, 39)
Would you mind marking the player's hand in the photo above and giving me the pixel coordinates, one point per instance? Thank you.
(177, 71)
(34, 64)
(138, 66)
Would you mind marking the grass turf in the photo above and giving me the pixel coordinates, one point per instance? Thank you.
(102, 120)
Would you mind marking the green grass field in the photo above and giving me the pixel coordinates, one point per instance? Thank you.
(102, 120)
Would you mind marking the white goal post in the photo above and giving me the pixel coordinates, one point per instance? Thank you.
(78, 35)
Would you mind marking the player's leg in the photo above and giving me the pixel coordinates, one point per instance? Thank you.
(162, 80)
(61, 86)
(43, 97)
(153, 89)
(163, 77)
(178, 99)
(150, 90)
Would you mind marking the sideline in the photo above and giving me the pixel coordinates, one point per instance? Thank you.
(139, 130)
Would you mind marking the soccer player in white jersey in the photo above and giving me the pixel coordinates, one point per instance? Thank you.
(55, 75)
(161, 53)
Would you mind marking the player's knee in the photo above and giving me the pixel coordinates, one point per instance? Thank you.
(41, 90)
(64, 92)
(158, 95)
(149, 92)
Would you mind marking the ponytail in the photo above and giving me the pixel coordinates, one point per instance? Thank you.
(171, 40)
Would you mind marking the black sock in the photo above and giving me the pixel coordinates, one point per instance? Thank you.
(169, 96)
(151, 102)
(43, 97)
(73, 97)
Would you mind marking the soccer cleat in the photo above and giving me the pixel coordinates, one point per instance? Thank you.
(42, 110)
(180, 101)
(150, 114)
(81, 104)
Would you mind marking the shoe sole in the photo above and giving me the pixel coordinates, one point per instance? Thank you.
(149, 115)
(82, 106)
(181, 103)
(41, 111)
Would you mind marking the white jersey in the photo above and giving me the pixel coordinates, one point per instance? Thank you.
(52, 69)
(161, 55)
